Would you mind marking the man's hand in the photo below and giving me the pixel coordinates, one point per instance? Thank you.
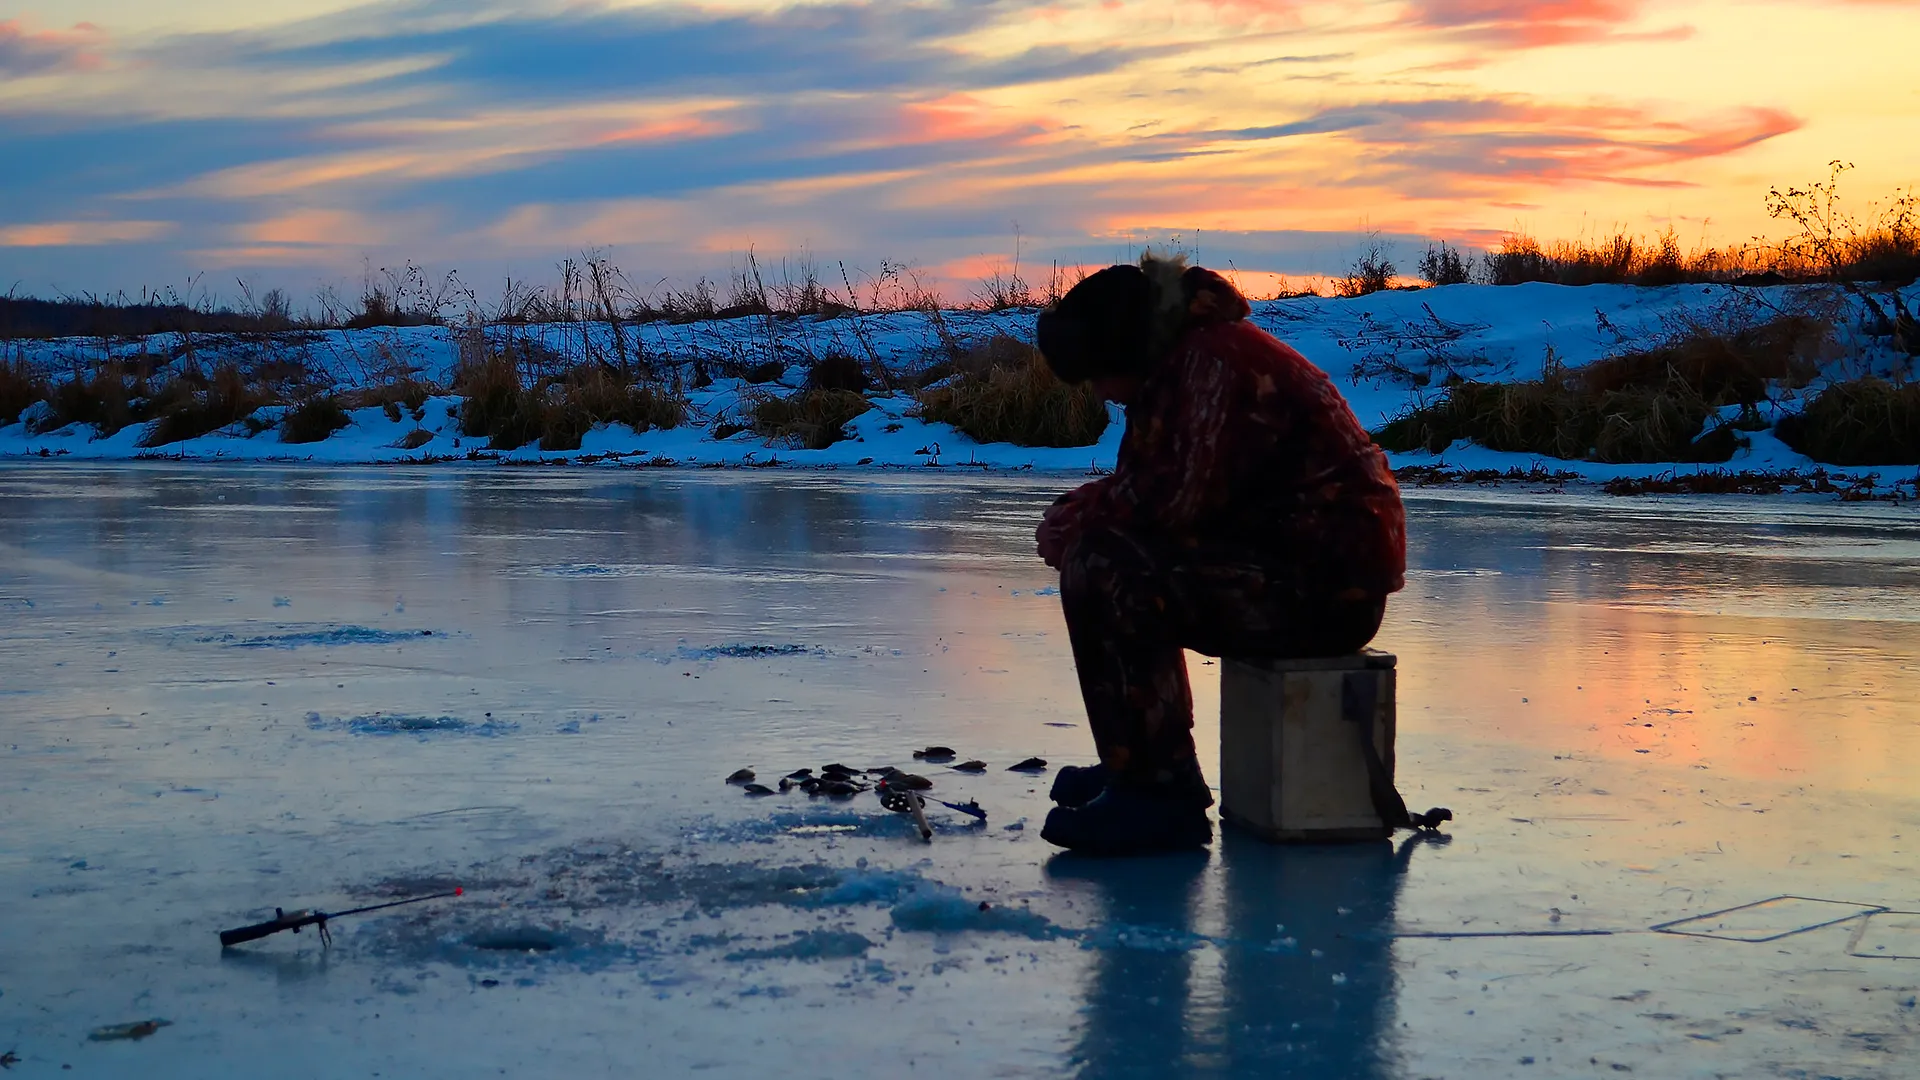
(1054, 533)
(1062, 523)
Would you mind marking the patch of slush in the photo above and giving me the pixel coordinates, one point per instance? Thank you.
(332, 635)
(492, 944)
(821, 818)
(404, 724)
(738, 651)
(588, 570)
(937, 908)
(812, 945)
(595, 877)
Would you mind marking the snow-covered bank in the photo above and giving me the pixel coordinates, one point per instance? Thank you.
(1368, 344)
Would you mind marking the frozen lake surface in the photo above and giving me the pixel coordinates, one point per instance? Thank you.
(219, 694)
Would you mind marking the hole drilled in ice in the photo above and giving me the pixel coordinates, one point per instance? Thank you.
(746, 651)
(520, 939)
(404, 724)
(329, 635)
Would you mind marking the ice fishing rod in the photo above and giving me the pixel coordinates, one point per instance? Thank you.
(294, 920)
(908, 801)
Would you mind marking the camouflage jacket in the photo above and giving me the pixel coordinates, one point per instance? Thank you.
(1237, 445)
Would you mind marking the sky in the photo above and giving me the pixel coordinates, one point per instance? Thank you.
(302, 144)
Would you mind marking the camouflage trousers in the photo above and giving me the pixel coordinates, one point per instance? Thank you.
(1132, 605)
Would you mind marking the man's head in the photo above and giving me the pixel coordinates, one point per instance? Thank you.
(1101, 329)
(1116, 325)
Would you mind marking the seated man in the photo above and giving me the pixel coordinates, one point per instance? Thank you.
(1249, 515)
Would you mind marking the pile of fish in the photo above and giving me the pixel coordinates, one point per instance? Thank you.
(898, 789)
(843, 781)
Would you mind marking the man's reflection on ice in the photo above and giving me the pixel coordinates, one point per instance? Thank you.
(1256, 961)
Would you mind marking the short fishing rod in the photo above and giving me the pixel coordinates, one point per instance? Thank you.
(294, 920)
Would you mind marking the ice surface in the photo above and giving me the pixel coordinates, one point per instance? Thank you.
(1639, 712)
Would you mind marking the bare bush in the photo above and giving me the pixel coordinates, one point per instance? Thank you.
(1414, 355)
(1370, 273)
(1443, 264)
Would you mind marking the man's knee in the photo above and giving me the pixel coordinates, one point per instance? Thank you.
(1095, 562)
(1116, 572)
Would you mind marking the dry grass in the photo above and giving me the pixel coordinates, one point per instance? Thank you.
(1556, 416)
(1861, 422)
(1726, 361)
(556, 408)
(812, 419)
(1644, 406)
(1443, 475)
(19, 388)
(1621, 259)
(838, 371)
(1723, 482)
(193, 404)
(313, 420)
(496, 404)
(115, 395)
(1002, 391)
(596, 394)
(394, 397)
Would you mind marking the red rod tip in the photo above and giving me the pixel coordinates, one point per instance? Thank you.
(457, 890)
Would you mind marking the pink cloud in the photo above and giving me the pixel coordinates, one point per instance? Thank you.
(1509, 141)
(31, 52)
(1535, 23)
(961, 117)
(1506, 148)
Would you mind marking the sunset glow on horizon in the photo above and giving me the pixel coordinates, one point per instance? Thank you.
(292, 143)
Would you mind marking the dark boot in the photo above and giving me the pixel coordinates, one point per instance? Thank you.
(1131, 821)
(1078, 785)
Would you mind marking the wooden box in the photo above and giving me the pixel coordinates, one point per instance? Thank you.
(1291, 763)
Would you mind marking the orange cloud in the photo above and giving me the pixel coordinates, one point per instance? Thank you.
(313, 227)
(81, 233)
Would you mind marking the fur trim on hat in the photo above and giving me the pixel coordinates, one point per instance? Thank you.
(1183, 297)
(1169, 304)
